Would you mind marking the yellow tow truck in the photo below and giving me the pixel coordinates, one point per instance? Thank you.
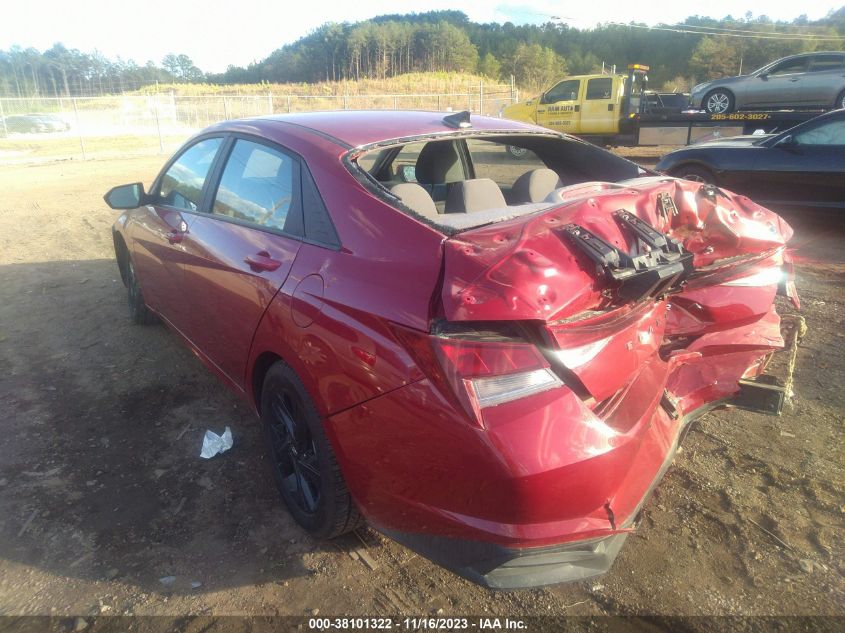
(613, 110)
(598, 107)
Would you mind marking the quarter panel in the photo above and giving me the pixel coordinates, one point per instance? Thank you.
(344, 352)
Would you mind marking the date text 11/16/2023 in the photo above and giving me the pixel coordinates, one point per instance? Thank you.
(417, 623)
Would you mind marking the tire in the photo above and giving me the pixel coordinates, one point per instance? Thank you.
(138, 310)
(304, 466)
(694, 173)
(516, 152)
(719, 101)
(840, 101)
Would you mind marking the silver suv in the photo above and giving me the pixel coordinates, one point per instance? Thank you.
(805, 80)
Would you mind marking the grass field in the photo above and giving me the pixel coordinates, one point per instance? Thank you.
(410, 83)
(161, 117)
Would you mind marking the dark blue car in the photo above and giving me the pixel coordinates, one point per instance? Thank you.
(801, 167)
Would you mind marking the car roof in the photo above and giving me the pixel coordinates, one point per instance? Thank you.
(363, 127)
(812, 53)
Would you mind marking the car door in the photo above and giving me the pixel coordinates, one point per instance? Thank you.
(158, 228)
(599, 114)
(560, 107)
(824, 80)
(239, 254)
(806, 167)
(779, 86)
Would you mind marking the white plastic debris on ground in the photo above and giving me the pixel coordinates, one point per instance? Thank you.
(212, 444)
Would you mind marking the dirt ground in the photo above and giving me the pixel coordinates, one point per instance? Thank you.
(103, 493)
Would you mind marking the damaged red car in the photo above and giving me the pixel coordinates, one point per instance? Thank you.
(488, 355)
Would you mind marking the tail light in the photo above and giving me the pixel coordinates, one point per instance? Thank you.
(477, 374)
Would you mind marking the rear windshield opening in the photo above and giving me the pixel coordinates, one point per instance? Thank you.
(462, 182)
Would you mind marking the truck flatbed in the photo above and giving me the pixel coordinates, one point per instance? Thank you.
(692, 127)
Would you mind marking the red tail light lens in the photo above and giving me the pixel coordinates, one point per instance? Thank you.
(472, 358)
(479, 374)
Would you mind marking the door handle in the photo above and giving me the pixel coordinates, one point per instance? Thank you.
(793, 80)
(262, 261)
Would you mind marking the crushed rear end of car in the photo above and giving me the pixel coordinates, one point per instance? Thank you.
(569, 351)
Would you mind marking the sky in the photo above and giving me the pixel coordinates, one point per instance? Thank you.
(216, 34)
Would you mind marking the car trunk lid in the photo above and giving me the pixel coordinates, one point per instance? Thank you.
(594, 273)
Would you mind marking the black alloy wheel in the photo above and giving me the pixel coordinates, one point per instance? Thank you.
(304, 466)
(294, 455)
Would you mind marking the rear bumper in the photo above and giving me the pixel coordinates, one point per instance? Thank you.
(500, 567)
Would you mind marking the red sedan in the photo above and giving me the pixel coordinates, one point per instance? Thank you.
(489, 358)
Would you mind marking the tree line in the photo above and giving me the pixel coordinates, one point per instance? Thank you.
(535, 55)
(445, 41)
(63, 72)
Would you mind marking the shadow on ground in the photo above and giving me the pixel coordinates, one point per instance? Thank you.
(100, 474)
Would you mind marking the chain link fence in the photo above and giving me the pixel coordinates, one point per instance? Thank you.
(43, 129)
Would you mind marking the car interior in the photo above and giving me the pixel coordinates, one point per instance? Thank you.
(468, 181)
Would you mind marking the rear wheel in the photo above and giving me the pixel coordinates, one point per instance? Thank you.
(694, 173)
(138, 310)
(719, 101)
(307, 474)
(516, 152)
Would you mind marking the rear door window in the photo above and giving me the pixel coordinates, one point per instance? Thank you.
(600, 88)
(403, 166)
(182, 184)
(821, 63)
(259, 185)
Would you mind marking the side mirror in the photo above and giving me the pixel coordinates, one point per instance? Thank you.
(763, 76)
(787, 142)
(126, 196)
(542, 97)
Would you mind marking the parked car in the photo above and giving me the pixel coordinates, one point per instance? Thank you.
(32, 123)
(25, 123)
(490, 359)
(803, 166)
(53, 123)
(807, 80)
